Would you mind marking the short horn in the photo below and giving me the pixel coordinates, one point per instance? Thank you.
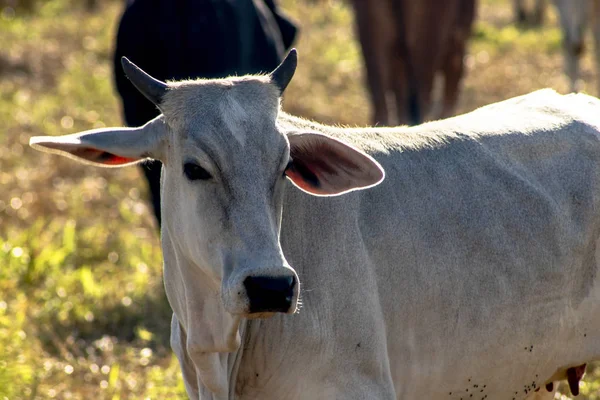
(282, 75)
(150, 87)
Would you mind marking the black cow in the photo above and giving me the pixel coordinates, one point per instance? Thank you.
(179, 39)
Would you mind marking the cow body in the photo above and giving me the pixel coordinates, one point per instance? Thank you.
(472, 269)
(405, 45)
(469, 271)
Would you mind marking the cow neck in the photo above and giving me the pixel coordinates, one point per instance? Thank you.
(213, 367)
(235, 357)
(212, 336)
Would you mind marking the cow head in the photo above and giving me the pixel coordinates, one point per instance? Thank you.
(226, 162)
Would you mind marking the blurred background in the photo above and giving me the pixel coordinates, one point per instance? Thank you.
(82, 308)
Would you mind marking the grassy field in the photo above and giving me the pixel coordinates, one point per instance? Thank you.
(82, 309)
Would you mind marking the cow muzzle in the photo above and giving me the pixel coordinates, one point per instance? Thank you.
(261, 292)
(270, 294)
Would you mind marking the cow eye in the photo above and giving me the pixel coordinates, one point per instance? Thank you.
(195, 172)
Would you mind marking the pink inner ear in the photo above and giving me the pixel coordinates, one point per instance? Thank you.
(316, 162)
(323, 159)
(325, 166)
(118, 160)
(303, 184)
(102, 157)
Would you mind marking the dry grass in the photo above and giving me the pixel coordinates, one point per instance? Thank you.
(82, 309)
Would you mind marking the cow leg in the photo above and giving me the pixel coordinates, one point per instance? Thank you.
(453, 71)
(452, 65)
(535, 17)
(573, 18)
(571, 54)
(540, 12)
(415, 64)
(399, 83)
(596, 32)
(374, 33)
(519, 11)
(410, 92)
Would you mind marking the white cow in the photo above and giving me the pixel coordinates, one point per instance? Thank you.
(470, 272)
(575, 15)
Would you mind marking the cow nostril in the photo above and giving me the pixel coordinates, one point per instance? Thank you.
(280, 284)
(270, 293)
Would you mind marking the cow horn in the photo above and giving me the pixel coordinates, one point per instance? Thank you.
(282, 75)
(150, 87)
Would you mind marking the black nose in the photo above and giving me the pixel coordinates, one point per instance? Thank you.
(268, 294)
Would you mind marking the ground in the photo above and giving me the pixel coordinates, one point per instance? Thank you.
(82, 309)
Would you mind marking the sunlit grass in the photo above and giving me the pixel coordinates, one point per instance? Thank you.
(82, 309)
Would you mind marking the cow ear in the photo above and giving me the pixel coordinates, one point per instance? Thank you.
(323, 166)
(108, 147)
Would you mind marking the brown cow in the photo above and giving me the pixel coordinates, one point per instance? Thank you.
(405, 44)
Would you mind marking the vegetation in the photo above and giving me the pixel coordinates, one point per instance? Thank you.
(82, 308)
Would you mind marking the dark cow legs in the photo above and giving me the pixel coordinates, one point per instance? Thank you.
(374, 30)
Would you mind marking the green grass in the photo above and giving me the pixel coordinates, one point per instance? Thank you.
(82, 309)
